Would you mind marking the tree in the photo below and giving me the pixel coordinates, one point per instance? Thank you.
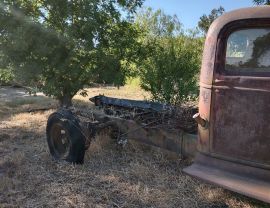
(6, 76)
(157, 23)
(6, 73)
(261, 2)
(206, 20)
(60, 46)
(170, 59)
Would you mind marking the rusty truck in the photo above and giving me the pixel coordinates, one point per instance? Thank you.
(232, 145)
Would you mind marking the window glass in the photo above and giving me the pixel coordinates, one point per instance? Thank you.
(248, 50)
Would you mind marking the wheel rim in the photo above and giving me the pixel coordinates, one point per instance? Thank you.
(60, 141)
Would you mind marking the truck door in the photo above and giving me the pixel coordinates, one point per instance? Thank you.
(240, 107)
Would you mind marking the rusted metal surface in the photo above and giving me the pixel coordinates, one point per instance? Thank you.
(202, 122)
(234, 150)
(249, 138)
(102, 100)
(244, 179)
(241, 99)
(158, 114)
(176, 141)
(60, 141)
(213, 62)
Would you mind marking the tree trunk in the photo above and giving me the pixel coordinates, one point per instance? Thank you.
(65, 101)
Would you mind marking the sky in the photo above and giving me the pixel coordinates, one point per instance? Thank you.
(189, 12)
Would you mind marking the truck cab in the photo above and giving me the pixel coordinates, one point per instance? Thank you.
(234, 142)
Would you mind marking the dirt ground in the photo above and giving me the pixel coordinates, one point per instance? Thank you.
(136, 176)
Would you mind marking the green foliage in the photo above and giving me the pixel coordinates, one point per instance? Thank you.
(133, 82)
(6, 76)
(6, 72)
(261, 2)
(170, 73)
(206, 20)
(157, 24)
(60, 46)
(170, 61)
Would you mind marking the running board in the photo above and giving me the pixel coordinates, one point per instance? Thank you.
(250, 181)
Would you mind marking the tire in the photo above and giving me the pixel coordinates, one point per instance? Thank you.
(65, 138)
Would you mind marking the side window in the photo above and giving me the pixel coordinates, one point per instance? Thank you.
(248, 50)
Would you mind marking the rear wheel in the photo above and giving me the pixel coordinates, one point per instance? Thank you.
(65, 138)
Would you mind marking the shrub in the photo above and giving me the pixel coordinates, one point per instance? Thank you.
(6, 76)
(170, 72)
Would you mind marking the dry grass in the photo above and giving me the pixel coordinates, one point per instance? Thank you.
(15, 100)
(128, 92)
(136, 176)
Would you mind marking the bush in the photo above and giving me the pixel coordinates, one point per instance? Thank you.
(6, 76)
(170, 71)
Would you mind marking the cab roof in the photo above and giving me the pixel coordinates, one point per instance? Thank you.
(209, 53)
(239, 14)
